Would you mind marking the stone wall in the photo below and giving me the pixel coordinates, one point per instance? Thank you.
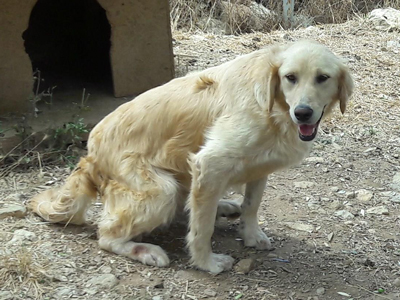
(141, 51)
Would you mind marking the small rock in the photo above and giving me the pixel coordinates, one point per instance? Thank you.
(350, 195)
(16, 211)
(388, 194)
(304, 184)
(395, 199)
(63, 292)
(190, 275)
(315, 160)
(210, 293)
(272, 255)
(91, 291)
(157, 298)
(107, 281)
(396, 182)
(245, 265)
(334, 189)
(21, 236)
(300, 226)
(320, 291)
(378, 210)
(159, 284)
(396, 282)
(105, 270)
(368, 263)
(390, 44)
(344, 294)
(344, 214)
(364, 195)
(313, 205)
(6, 295)
(336, 204)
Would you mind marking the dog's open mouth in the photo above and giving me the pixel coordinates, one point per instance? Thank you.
(307, 132)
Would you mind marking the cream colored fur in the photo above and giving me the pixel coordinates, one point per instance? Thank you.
(186, 142)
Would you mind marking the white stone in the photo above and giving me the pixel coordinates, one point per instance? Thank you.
(344, 214)
(17, 211)
(396, 182)
(315, 160)
(378, 210)
(6, 295)
(300, 226)
(320, 291)
(364, 195)
(107, 281)
(385, 18)
(304, 184)
(210, 292)
(395, 199)
(22, 236)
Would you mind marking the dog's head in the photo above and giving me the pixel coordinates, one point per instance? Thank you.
(310, 79)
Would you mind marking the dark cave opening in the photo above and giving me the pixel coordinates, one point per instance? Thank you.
(69, 42)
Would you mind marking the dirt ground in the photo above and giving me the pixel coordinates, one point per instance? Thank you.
(335, 219)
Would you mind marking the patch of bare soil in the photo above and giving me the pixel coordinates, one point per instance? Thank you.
(335, 219)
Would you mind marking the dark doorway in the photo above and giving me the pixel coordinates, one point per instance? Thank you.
(69, 42)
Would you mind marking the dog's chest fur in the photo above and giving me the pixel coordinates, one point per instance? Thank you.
(285, 151)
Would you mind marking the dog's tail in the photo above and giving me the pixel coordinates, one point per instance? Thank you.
(68, 203)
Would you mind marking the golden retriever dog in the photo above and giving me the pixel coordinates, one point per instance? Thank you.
(187, 142)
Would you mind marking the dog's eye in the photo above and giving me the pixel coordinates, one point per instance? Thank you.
(322, 78)
(292, 78)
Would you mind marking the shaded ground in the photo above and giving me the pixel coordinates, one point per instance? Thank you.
(332, 240)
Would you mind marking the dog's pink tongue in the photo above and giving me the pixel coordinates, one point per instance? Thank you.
(306, 130)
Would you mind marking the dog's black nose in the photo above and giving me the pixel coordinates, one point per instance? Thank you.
(303, 113)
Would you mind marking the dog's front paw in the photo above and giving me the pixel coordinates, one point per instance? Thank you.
(256, 238)
(217, 263)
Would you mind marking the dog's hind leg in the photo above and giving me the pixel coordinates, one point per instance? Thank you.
(249, 229)
(230, 209)
(129, 213)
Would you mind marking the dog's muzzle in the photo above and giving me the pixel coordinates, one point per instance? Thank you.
(307, 132)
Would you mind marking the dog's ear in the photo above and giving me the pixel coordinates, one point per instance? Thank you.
(267, 87)
(346, 86)
(273, 86)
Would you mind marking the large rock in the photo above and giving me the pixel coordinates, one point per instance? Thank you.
(385, 18)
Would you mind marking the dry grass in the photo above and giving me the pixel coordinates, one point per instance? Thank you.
(21, 270)
(245, 16)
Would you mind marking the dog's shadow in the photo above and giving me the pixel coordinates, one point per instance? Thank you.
(294, 264)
